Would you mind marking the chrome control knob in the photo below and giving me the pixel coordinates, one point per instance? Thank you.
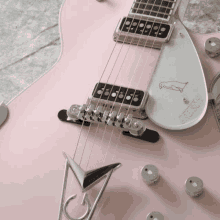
(212, 47)
(194, 186)
(155, 216)
(150, 174)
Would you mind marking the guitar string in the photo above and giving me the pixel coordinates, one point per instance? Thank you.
(99, 209)
(142, 50)
(109, 77)
(160, 23)
(119, 87)
(133, 96)
(122, 45)
(67, 166)
(134, 75)
(169, 8)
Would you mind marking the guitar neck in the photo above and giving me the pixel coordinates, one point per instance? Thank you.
(160, 10)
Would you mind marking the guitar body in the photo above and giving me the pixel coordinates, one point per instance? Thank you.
(32, 139)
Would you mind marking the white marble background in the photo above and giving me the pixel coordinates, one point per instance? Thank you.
(30, 42)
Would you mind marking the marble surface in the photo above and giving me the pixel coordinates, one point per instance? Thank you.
(30, 42)
(203, 16)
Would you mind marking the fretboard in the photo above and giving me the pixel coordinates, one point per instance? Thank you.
(156, 9)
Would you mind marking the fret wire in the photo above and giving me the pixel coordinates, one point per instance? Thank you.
(152, 11)
(147, 10)
(166, 7)
(154, 5)
(146, 3)
(163, 1)
(155, 14)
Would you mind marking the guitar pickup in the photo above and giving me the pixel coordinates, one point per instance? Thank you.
(142, 32)
(117, 98)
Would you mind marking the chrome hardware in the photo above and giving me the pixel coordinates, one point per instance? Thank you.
(97, 114)
(127, 121)
(112, 118)
(212, 47)
(3, 113)
(149, 34)
(76, 112)
(89, 112)
(73, 112)
(82, 111)
(85, 200)
(105, 116)
(155, 216)
(119, 120)
(194, 186)
(150, 174)
(137, 128)
(86, 180)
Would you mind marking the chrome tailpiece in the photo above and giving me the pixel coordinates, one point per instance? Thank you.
(86, 180)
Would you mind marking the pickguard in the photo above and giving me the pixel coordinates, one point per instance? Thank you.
(177, 82)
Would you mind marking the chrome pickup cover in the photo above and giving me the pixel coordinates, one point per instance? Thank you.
(142, 33)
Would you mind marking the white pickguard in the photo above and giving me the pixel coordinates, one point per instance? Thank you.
(177, 94)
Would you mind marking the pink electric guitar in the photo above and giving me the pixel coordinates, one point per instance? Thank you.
(120, 128)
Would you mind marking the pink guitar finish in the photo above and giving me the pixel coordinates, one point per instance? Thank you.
(32, 139)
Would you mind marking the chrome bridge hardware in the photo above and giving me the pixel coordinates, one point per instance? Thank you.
(121, 99)
(143, 33)
(89, 114)
(86, 181)
(130, 126)
(62, 115)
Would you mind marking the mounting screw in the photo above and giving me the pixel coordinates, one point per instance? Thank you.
(185, 100)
